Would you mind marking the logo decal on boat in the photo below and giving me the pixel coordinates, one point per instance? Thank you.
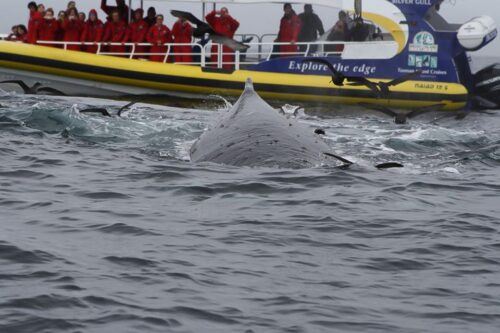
(422, 61)
(413, 2)
(424, 42)
(304, 67)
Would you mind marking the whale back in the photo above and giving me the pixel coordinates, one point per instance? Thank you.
(254, 134)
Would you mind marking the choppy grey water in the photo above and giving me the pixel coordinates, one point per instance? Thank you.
(106, 227)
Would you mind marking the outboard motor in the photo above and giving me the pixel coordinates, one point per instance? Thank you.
(473, 36)
(487, 87)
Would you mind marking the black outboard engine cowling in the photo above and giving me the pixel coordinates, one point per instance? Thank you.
(487, 86)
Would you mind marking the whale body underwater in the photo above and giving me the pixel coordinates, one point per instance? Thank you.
(254, 134)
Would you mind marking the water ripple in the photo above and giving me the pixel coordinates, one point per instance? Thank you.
(14, 254)
(159, 244)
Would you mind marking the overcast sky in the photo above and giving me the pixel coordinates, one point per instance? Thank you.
(261, 19)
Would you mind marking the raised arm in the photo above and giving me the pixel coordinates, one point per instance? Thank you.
(104, 6)
(211, 17)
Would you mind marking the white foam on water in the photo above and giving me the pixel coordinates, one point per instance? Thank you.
(450, 170)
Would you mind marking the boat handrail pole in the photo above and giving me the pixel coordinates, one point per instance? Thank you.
(129, 10)
(167, 54)
(219, 55)
(132, 52)
(204, 9)
(203, 55)
(237, 60)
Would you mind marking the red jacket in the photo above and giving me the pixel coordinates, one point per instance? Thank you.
(48, 30)
(289, 29)
(122, 8)
(116, 32)
(225, 26)
(23, 38)
(138, 31)
(72, 30)
(34, 25)
(182, 32)
(93, 31)
(160, 34)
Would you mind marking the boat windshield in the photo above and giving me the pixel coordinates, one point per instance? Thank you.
(438, 22)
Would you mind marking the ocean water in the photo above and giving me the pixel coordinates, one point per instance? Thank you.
(105, 225)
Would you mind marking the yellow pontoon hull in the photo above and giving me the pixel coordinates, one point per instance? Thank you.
(183, 79)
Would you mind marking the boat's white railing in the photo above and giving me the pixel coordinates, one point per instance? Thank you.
(215, 55)
(133, 53)
(257, 38)
(257, 52)
(245, 36)
(133, 49)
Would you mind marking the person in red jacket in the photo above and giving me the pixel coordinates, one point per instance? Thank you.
(151, 16)
(116, 31)
(22, 33)
(93, 32)
(49, 28)
(14, 31)
(159, 35)
(182, 33)
(61, 17)
(71, 4)
(121, 7)
(72, 28)
(289, 31)
(35, 21)
(138, 31)
(224, 24)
